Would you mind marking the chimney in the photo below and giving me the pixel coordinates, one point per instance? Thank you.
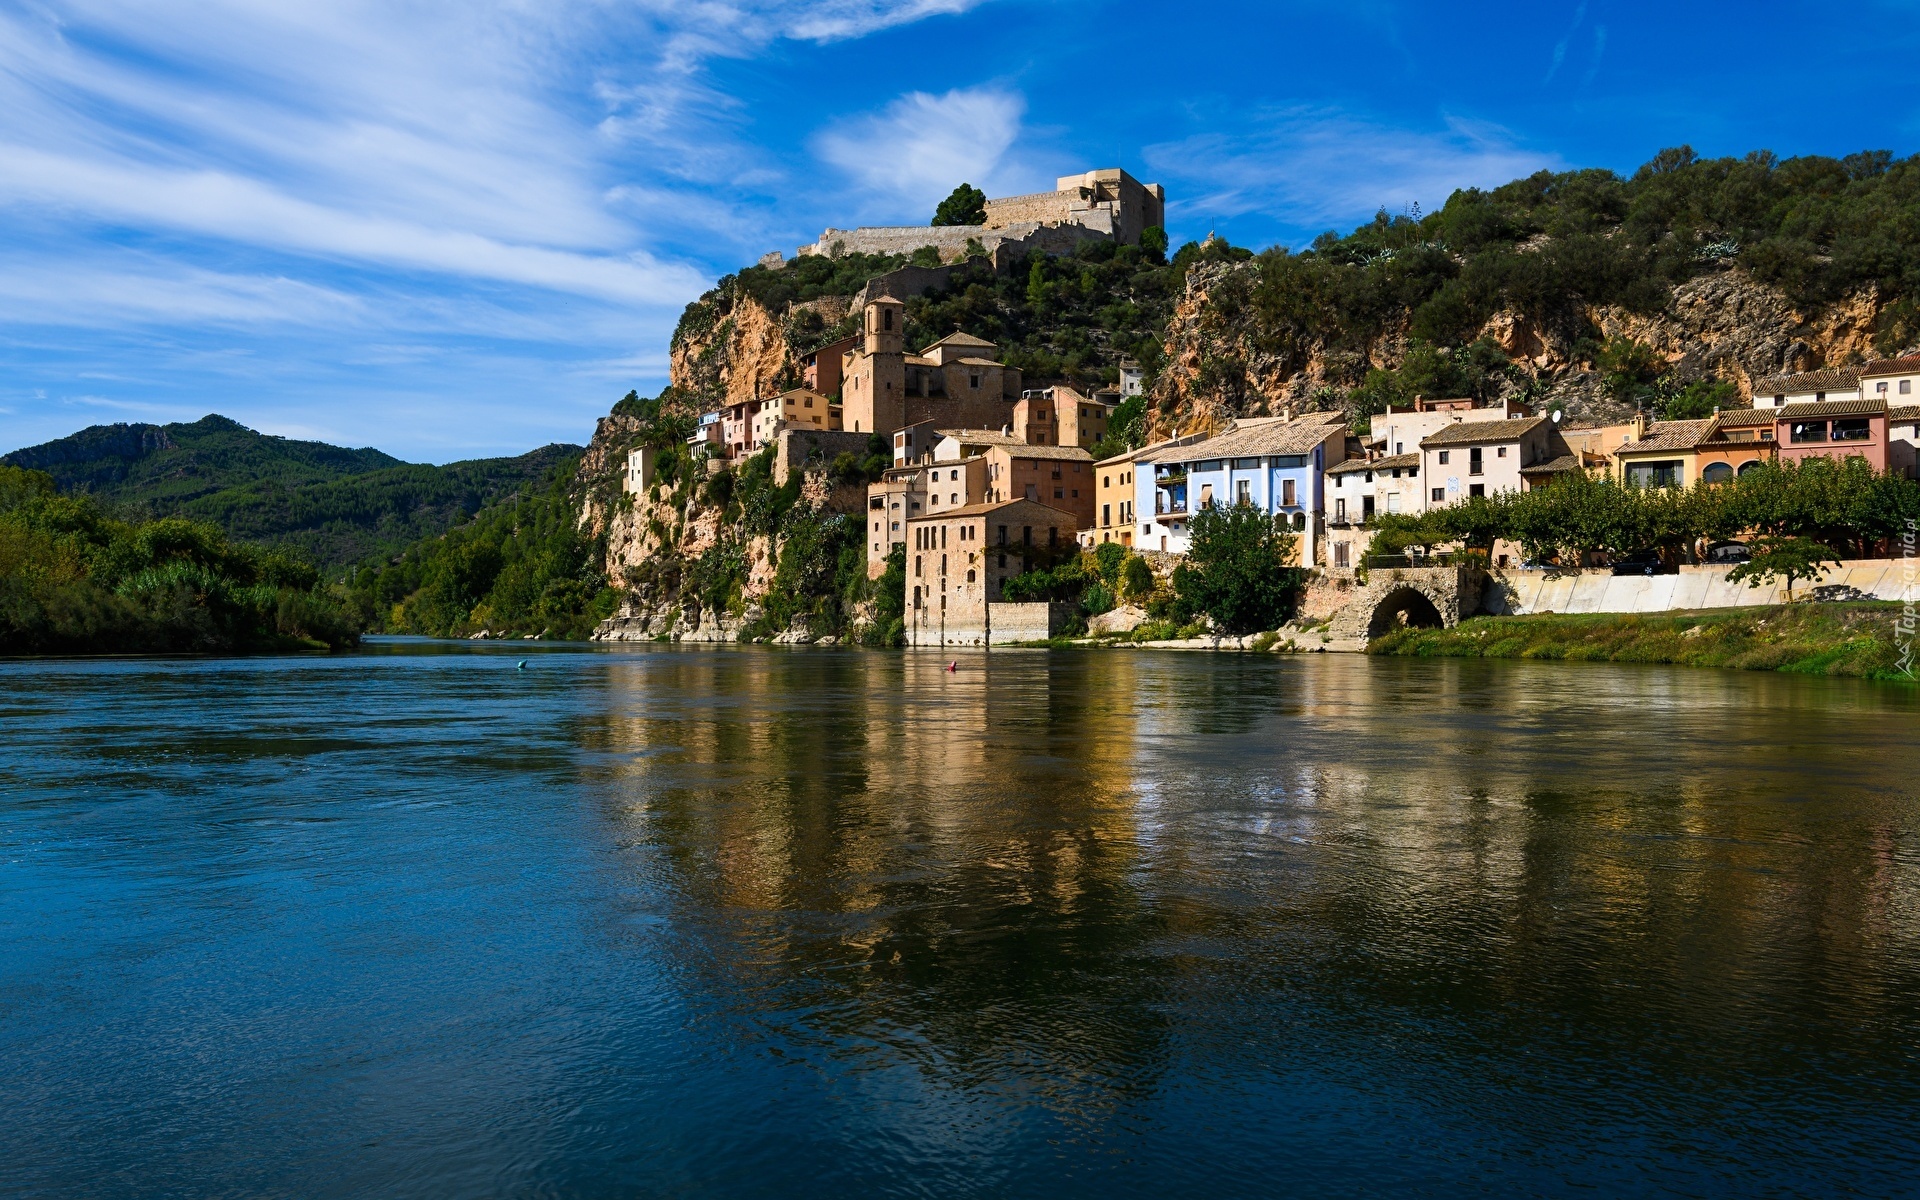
(1639, 426)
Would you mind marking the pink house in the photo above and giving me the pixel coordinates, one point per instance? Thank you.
(1836, 429)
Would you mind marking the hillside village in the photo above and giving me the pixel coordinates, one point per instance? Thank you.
(985, 476)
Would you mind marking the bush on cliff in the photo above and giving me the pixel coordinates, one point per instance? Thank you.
(75, 580)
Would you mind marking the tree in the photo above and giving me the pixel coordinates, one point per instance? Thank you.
(1629, 367)
(1697, 400)
(1787, 558)
(1136, 579)
(1153, 241)
(967, 205)
(1236, 570)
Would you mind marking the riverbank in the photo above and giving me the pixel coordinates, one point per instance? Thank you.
(1859, 640)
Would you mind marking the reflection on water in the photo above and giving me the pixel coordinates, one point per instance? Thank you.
(762, 922)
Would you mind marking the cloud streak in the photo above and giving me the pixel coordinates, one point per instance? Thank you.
(913, 152)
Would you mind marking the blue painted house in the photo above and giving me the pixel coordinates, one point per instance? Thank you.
(1277, 466)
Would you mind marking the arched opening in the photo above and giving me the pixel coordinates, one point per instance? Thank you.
(1753, 465)
(1717, 473)
(1401, 609)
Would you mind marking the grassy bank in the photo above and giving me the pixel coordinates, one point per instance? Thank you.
(1857, 640)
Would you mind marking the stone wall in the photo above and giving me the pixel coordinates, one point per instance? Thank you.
(815, 450)
(1035, 207)
(951, 240)
(1035, 621)
(1522, 592)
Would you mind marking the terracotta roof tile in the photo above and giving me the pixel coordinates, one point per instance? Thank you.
(1022, 450)
(1741, 418)
(1904, 412)
(1356, 465)
(1669, 435)
(975, 510)
(980, 437)
(1467, 433)
(958, 339)
(1892, 366)
(1833, 408)
(1553, 466)
(1267, 437)
(1832, 379)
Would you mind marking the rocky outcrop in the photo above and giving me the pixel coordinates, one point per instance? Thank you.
(1722, 324)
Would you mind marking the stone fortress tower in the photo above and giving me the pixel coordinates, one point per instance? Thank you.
(1107, 203)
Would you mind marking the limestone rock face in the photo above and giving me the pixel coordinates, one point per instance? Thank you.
(1222, 364)
(730, 347)
(1124, 619)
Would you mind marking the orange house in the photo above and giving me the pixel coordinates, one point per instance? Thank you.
(1737, 441)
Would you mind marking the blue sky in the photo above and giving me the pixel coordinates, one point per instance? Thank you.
(458, 229)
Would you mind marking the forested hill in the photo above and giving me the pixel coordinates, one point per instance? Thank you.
(337, 506)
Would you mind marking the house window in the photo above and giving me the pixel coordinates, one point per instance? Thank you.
(1206, 495)
(1340, 511)
(973, 379)
(1906, 387)
(1852, 429)
(1654, 474)
(969, 575)
(1474, 465)
(1286, 493)
(1339, 554)
(1443, 458)
(1243, 492)
(1246, 464)
(1212, 464)
(1439, 495)
(1476, 489)
(1880, 389)
(1717, 473)
(1059, 494)
(1393, 502)
(1807, 431)
(1026, 535)
(1290, 460)
(1500, 453)
(1106, 515)
(1299, 521)
(1366, 508)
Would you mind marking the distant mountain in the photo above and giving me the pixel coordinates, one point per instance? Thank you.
(339, 506)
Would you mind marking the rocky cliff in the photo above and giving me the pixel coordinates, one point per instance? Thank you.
(731, 347)
(1223, 361)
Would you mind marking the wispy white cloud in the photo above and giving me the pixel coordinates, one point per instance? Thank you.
(1560, 47)
(913, 152)
(1315, 166)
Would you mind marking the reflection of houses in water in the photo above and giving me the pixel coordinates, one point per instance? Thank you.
(874, 826)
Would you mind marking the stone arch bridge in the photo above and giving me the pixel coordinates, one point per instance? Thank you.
(1427, 597)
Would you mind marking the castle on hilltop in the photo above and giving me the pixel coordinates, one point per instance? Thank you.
(1107, 204)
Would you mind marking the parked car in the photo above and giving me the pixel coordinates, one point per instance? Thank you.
(1728, 553)
(1645, 562)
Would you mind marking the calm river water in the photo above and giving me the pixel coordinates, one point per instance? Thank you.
(765, 922)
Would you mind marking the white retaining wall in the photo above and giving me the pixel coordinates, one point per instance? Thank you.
(1521, 592)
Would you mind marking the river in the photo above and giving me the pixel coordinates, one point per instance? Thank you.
(759, 921)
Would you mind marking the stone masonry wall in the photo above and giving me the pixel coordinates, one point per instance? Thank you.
(1036, 621)
(1522, 592)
